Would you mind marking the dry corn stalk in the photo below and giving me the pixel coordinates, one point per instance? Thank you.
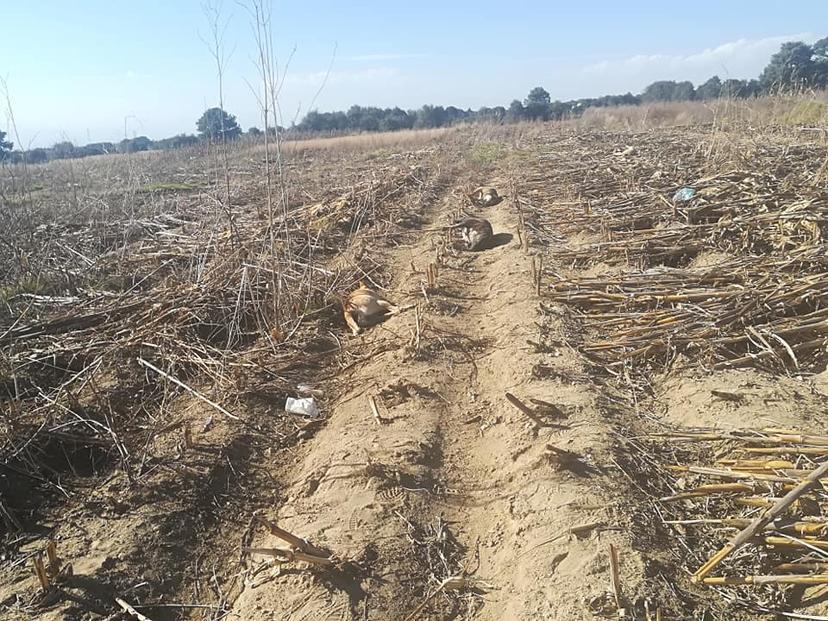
(761, 522)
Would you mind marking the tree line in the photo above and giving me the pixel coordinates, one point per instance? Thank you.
(215, 124)
(537, 106)
(795, 67)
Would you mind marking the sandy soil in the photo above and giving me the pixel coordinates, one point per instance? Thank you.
(452, 451)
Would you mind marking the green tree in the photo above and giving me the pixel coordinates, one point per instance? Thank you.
(63, 150)
(537, 103)
(711, 89)
(312, 121)
(431, 116)
(668, 90)
(820, 58)
(176, 142)
(132, 145)
(661, 90)
(5, 147)
(516, 112)
(394, 119)
(216, 124)
(791, 67)
(820, 49)
(559, 110)
(254, 131)
(36, 156)
(684, 91)
(490, 115)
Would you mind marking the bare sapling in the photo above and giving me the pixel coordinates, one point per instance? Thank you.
(215, 45)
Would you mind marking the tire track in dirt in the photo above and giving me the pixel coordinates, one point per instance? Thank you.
(455, 479)
(516, 505)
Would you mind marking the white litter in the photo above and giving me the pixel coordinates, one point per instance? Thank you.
(305, 407)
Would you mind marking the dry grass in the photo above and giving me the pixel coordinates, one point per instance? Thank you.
(808, 109)
(156, 317)
(365, 143)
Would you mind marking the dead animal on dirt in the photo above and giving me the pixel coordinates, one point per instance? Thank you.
(485, 197)
(475, 233)
(365, 307)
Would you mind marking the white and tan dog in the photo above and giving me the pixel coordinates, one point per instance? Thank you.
(485, 197)
(476, 233)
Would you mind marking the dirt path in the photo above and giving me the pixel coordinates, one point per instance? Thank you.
(455, 479)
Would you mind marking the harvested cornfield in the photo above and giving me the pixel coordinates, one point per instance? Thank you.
(691, 269)
(568, 423)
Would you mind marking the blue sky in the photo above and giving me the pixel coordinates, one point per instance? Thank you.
(77, 70)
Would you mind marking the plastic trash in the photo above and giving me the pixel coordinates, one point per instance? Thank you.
(304, 407)
(684, 195)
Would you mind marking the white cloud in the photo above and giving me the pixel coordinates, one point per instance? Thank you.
(743, 58)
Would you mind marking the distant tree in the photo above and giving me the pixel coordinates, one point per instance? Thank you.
(790, 68)
(668, 90)
(36, 156)
(63, 150)
(395, 119)
(175, 142)
(100, 148)
(740, 89)
(711, 89)
(431, 116)
(85, 151)
(629, 99)
(94, 148)
(499, 113)
(338, 121)
(410, 119)
(559, 109)
(369, 119)
(684, 91)
(254, 131)
(537, 103)
(327, 121)
(311, 122)
(820, 58)
(5, 147)
(455, 115)
(132, 145)
(661, 90)
(491, 115)
(516, 112)
(355, 117)
(819, 50)
(216, 124)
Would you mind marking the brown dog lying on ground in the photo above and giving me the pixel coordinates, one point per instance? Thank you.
(365, 307)
(484, 197)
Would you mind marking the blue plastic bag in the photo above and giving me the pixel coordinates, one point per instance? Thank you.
(684, 195)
